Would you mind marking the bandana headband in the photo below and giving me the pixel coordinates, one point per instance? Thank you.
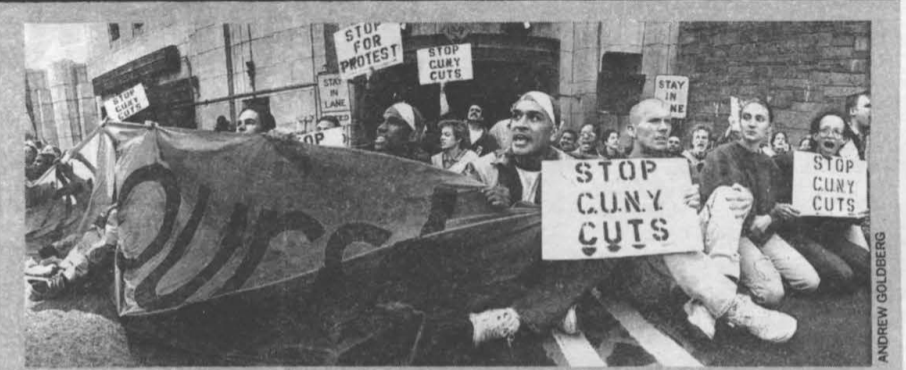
(544, 101)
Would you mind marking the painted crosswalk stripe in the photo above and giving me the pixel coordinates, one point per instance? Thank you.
(665, 350)
(572, 350)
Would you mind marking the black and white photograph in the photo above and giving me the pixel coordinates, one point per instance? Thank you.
(576, 184)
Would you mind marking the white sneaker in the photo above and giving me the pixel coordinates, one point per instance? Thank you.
(768, 325)
(699, 316)
(494, 324)
(570, 323)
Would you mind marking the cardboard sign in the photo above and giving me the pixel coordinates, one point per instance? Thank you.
(608, 209)
(829, 187)
(675, 91)
(127, 103)
(368, 46)
(333, 94)
(337, 136)
(444, 64)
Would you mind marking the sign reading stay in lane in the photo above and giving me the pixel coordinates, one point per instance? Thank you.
(675, 91)
(621, 208)
(444, 64)
(368, 46)
(333, 93)
(126, 103)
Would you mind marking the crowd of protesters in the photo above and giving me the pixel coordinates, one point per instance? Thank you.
(755, 240)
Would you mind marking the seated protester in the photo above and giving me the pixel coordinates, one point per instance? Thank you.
(84, 256)
(401, 133)
(482, 142)
(674, 146)
(454, 143)
(501, 133)
(612, 148)
(253, 121)
(701, 139)
(568, 141)
(737, 176)
(222, 124)
(779, 144)
(512, 176)
(841, 264)
(858, 127)
(713, 295)
(588, 142)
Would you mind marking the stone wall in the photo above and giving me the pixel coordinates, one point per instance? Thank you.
(799, 67)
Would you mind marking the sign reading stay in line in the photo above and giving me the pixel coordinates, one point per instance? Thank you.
(444, 64)
(337, 136)
(829, 187)
(368, 46)
(126, 103)
(675, 91)
(595, 209)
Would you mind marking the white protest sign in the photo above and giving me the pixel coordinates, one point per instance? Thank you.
(337, 136)
(368, 46)
(333, 93)
(444, 64)
(126, 103)
(595, 209)
(345, 118)
(829, 187)
(675, 91)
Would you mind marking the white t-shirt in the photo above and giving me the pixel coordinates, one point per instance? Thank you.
(474, 135)
(529, 181)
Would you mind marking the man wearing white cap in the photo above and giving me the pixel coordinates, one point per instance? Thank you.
(513, 176)
(401, 132)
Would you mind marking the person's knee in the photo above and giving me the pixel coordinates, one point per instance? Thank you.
(807, 280)
(767, 294)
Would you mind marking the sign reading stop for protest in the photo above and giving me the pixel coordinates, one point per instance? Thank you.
(829, 187)
(337, 136)
(675, 91)
(368, 46)
(444, 64)
(594, 209)
(127, 103)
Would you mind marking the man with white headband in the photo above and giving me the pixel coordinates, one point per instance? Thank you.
(86, 255)
(401, 132)
(513, 176)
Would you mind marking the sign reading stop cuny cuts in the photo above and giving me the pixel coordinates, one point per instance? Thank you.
(595, 209)
(675, 91)
(829, 187)
(368, 46)
(126, 103)
(444, 64)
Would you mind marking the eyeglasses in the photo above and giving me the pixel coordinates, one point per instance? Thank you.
(831, 132)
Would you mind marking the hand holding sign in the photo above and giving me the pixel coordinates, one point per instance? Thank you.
(610, 209)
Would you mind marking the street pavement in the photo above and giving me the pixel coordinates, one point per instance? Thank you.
(81, 329)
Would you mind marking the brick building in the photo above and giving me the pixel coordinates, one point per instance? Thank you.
(197, 72)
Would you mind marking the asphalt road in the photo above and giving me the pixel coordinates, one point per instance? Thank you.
(81, 329)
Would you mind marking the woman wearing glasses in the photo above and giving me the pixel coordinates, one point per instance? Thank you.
(841, 264)
(588, 143)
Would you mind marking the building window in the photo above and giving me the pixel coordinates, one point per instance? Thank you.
(114, 30)
(138, 29)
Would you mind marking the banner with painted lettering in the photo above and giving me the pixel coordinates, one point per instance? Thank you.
(608, 209)
(829, 187)
(675, 91)
(127, 103)
(206, 215)
(445, 64)
(336, 137)
(368, 46)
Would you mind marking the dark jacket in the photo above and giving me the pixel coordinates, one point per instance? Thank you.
(499, 169)
(485, 144)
